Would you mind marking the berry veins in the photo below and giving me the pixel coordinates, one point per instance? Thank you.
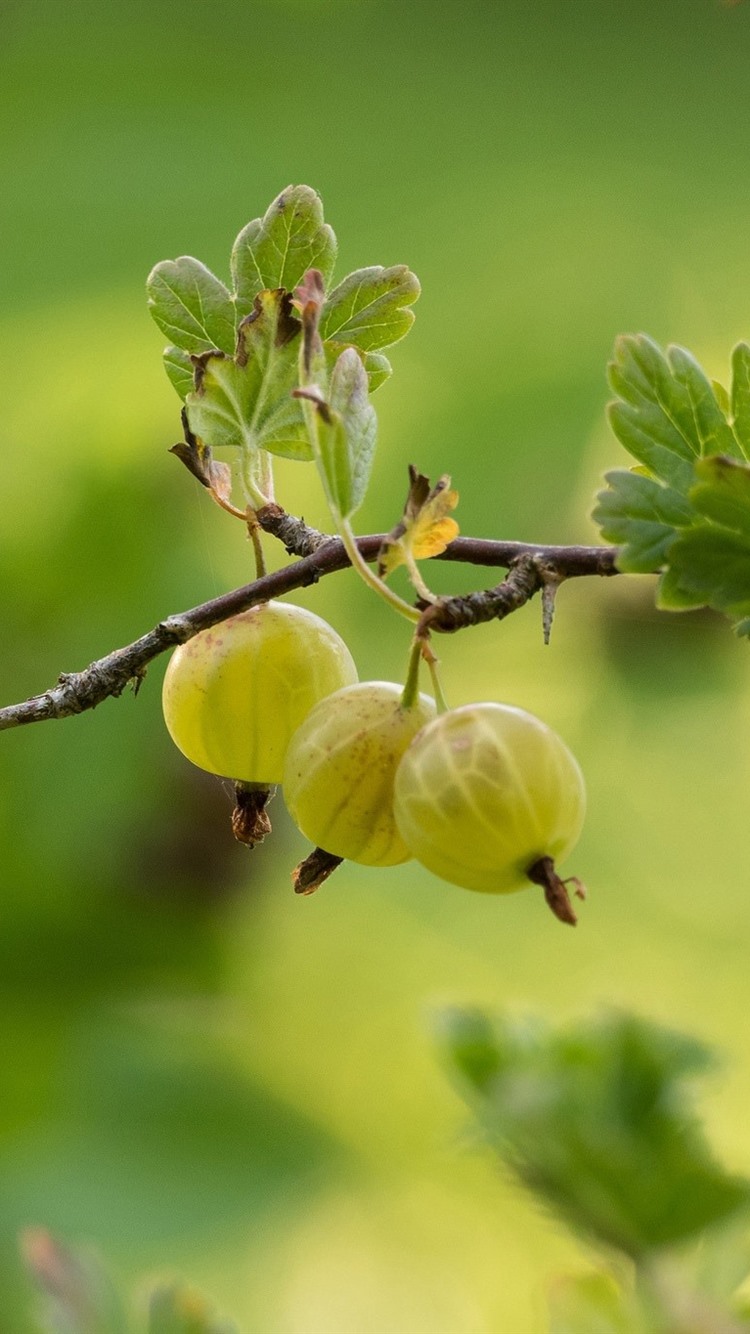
(339, 770)
(484, 793)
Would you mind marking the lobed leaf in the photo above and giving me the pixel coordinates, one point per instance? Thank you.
(686, 509)
(277, 249)
(246, 401)
(667, 413)
(722, 492)
(709, 566)
(712, 431)
(370, 308)
(191, 306)
(652, 417)
(643, 516)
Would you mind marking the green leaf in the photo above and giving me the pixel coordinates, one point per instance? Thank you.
(378, 368)
(179, 369)
(708, 567)
(722, 398)
(277, 249)
(709, 564)
(596, 1120)
(711, 429)
(666, 414)
(722, 492)
(347, 427)
(191, 306)
(175, 1309)
(370, 308)
(246, 401)
(740, 397)
(76, 1293)
(692, 476)
(643, 515)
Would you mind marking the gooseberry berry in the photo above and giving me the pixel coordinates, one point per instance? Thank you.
(339, 770)
(235, 694)
(487, 792)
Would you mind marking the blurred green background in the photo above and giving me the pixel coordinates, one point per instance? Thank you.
(201, 1074)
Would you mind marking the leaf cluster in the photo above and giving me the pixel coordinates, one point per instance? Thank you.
(684, 509)
(234, 352)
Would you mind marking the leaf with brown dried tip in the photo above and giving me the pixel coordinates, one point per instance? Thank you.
(277, 249)
(245, 401)
(426, 527)
(198, 459)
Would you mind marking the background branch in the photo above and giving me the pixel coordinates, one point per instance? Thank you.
(529, 565)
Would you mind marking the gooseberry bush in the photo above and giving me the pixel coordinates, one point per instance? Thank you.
(286, 362)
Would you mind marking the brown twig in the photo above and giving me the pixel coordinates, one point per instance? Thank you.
(528, 565)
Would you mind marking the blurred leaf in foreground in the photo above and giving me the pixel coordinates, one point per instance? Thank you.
(597, 1121)
(76, 1293)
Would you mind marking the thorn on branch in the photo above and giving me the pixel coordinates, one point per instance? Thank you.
(550, 584)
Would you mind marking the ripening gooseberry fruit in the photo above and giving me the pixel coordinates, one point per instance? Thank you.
(235, 694)
(484, 794)
(339, 770)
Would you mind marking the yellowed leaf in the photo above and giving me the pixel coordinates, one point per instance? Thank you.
(426, 527)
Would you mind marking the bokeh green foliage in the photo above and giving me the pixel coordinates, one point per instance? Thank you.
(202, 1074)
(597, 1120)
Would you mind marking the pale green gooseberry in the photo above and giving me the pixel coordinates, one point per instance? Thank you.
(484, 793)
(234, 695)
(339, 770)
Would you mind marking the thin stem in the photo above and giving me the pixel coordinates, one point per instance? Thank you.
(410, 692)
(371, 579)
(227, 505)
(254, 531)
(257, 477)
(416, 578)
(432, 664)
